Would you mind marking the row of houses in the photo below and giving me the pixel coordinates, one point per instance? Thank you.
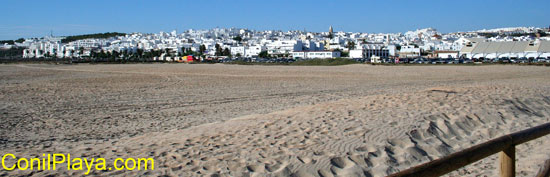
(474, 48)
(298, 44)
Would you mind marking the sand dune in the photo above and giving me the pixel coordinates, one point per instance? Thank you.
(272, 121)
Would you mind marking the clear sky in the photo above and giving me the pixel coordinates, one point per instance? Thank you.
(36, 18)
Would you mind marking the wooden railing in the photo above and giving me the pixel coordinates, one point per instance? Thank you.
(505, 145)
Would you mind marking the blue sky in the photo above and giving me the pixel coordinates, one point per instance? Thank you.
(36, 18)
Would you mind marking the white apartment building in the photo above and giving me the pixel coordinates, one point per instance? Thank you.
(284, 47)
(86, 43)
(254, 51)
(240, 50)
(313, 46)
(370, 50)
(43, 48)
(409, 51)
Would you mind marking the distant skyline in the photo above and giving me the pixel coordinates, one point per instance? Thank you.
(36, 18)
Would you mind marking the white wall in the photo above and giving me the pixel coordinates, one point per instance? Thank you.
(238, 50)
(446, 55)
(356, 54)
(255, 50)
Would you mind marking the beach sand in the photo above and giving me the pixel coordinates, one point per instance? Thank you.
(233, 120)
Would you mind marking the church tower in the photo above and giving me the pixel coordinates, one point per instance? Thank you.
(330, 32)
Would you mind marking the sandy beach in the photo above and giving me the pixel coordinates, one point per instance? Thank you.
(234, 120)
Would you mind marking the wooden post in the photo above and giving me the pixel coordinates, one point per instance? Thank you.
(508, 162)
(545, 170)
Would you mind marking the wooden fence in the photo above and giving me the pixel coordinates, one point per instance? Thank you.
(505, 145)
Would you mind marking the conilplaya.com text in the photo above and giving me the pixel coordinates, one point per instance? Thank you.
(54, 161)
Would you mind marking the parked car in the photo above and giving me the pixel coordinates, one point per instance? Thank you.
(504, 60)
(522, 61)
(539, 60)
(421, 61)
(441, 61)
(452, 61)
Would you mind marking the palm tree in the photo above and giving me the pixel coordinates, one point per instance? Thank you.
(218, 50)
(80, 52)
(238, 39)
(226, 52)
(202, 49)
(351, 45)
(140, 52)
